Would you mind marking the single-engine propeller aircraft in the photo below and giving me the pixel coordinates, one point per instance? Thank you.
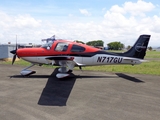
(67, 55)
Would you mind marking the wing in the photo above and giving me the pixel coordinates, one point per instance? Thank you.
(64, 61)
(60, 58)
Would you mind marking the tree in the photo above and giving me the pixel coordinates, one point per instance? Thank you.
(128, 47)
(115, 46)
(95, 43)
(150, 48)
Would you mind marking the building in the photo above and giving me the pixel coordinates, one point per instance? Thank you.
(5, 51)
(6, 48)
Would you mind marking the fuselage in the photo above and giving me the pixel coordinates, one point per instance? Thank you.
(83, 55)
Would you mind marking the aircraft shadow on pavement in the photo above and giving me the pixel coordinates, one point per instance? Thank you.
(85, 76)
(57, 91)
(31, 76)
(127, 77)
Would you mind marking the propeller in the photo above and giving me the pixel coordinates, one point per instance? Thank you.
(15, 54)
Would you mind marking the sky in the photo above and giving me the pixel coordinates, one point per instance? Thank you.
(29, 21)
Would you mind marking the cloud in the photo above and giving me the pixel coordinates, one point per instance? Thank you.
(135, 9)
(131, 19)
(138, 8)
(26, 21)
(24, 26)
(85, 12)
(120, 23)
(117, 9)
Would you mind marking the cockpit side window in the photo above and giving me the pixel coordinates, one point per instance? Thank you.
(77, 48)
(61, 46)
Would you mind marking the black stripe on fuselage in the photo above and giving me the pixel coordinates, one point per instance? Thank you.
(90, 54)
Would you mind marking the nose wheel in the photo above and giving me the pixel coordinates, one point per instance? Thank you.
(26, 72)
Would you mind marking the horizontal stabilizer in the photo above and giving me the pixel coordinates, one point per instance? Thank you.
(134, 59)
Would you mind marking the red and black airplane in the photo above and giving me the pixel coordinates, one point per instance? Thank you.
(67, 55)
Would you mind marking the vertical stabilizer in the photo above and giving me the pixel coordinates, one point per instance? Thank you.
(138, 50)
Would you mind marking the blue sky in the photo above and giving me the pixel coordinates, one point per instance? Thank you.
(124, 21)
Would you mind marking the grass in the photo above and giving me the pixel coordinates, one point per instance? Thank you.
(152, 67)
(145, 68)
(153, 54)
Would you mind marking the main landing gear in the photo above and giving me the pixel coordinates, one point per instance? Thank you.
(64, 72)
(65, 69)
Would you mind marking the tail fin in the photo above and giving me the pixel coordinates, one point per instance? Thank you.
(138, 50)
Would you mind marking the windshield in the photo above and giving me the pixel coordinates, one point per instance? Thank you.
(47, 45)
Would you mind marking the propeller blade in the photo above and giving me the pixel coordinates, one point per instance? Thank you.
(15, 53)
(14, 58)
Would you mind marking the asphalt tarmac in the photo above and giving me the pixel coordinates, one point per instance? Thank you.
(84, 96)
